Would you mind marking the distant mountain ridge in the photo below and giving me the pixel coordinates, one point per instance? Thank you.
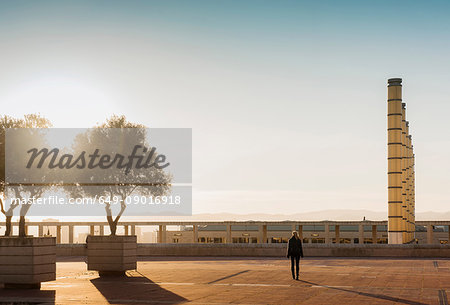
(351, 215)
(336, 214)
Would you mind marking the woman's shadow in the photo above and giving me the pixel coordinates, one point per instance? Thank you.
(372, 295)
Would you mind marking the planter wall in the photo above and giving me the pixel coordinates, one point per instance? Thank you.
(27, 261)
(111, 254)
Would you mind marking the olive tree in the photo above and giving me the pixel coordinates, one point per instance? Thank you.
(21, 191)
(115, 137)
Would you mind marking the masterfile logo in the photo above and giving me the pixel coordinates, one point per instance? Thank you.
(150, 169)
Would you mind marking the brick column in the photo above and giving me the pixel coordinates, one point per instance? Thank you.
(404, 162)
(411, 203)
(413, 207)
(408, 183)
(395, 233)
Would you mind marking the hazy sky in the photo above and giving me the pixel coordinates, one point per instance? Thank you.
(287, 99)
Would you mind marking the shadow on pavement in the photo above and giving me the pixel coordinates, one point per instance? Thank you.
(27, 296)
(372, 295)
(126, 289)
(207, 258)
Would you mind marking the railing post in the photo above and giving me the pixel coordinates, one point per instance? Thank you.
(126, 229)
(429, 234)
(374, 234)
(265, 234)
(92, 230)
(159, 234)
(229, 238)
(262, 230)
(337, 234)
(162, 234)
(327, 234)
(58, 234)
(102, 230)
(70, 234)
(361, 233)
(300, 231)
(195, 233)
(41, 230)
(133, 229)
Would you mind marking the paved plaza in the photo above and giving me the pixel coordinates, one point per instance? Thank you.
(199, 280)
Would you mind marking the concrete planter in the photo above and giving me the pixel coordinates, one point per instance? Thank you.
(111, 255)
(25, 262)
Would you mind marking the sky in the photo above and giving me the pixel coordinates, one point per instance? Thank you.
(286, 99)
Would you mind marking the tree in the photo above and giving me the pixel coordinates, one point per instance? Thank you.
(20, 191)
(117, 136)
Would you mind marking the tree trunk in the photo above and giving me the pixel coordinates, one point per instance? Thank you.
(112, 225)
(22, 232)
(8, 226)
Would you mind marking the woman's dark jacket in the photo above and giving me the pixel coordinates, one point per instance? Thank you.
(294, 247)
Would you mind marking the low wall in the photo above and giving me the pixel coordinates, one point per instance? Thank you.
(275, 250)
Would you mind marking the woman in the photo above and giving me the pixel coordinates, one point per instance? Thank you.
(295, 251)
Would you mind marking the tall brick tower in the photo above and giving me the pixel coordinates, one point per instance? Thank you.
(395, 162)
(401, 175)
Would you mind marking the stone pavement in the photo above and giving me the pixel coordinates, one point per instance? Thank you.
(201, 280)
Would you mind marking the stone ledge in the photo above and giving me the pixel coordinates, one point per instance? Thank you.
(112, 267)
(267, 250)
(111, 253)
(27, 250)
(26, 241)
(112, 238)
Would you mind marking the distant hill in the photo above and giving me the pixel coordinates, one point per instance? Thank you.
(313, 216)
